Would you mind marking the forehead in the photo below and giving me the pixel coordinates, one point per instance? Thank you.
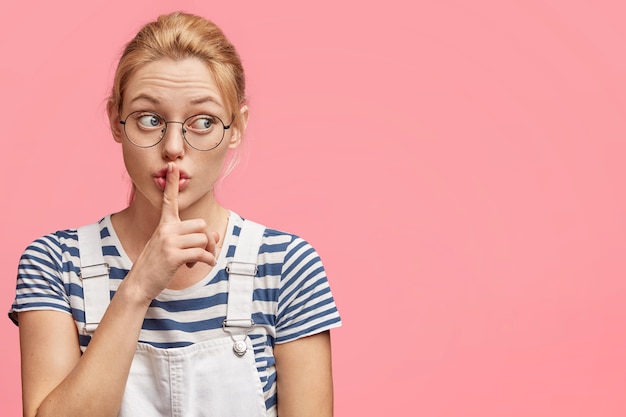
(173, 82)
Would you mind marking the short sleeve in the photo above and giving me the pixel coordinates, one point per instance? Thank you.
(305, 303)
(40, 283)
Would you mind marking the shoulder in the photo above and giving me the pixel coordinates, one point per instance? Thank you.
(57, 245)
(54, 243)
(296, 259)
(276, 240)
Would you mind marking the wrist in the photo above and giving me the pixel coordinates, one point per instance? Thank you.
(132, 293)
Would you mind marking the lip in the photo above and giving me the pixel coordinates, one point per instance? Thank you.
(160, 178)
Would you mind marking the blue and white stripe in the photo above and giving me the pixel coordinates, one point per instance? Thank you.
(291, 298)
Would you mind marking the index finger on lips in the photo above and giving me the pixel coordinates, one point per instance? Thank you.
(169, 209)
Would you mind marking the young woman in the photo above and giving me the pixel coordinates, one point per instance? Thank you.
(175, 306)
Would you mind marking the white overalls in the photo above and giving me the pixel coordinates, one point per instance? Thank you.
(217, 377)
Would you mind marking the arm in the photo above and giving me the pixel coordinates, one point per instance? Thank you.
(304, 377)
(57, 380)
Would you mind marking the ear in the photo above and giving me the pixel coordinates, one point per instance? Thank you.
(114, 121)
(238, 133)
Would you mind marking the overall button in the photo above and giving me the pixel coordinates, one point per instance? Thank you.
(240, 348)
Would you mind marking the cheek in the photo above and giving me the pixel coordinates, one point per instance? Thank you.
(210, 168)
(132, 160)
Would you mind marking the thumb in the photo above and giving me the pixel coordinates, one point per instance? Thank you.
(169, 208)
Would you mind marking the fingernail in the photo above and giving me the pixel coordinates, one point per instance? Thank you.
(169, 167)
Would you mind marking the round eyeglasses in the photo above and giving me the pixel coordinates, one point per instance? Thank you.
(202, 132)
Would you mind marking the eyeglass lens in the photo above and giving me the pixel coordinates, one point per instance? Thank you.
(146, 129)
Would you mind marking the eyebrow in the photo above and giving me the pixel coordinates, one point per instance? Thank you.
(146, 97)
(205, 99)
(200, 100)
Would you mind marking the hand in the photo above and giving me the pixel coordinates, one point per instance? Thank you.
(174, 243)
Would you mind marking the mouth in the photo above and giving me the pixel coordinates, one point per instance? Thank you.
(160, 178)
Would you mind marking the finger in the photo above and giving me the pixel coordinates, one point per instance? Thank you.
(201, 256)
(211, 247)
(169, 209)
(214, 240)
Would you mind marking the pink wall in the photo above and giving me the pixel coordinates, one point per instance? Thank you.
(459, 166)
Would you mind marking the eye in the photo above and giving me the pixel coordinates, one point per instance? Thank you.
(148, 120)
(202, 123)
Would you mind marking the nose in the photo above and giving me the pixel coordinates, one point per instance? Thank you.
(173, 141)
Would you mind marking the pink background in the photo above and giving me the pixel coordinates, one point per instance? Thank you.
(459, 166)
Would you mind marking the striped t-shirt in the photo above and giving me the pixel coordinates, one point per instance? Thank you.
(291, 297)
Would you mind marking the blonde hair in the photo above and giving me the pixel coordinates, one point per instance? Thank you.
(178, 36)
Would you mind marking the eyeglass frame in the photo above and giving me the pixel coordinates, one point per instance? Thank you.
(164, 131)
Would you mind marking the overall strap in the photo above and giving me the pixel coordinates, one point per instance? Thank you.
(241, 272)
(94, 273)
